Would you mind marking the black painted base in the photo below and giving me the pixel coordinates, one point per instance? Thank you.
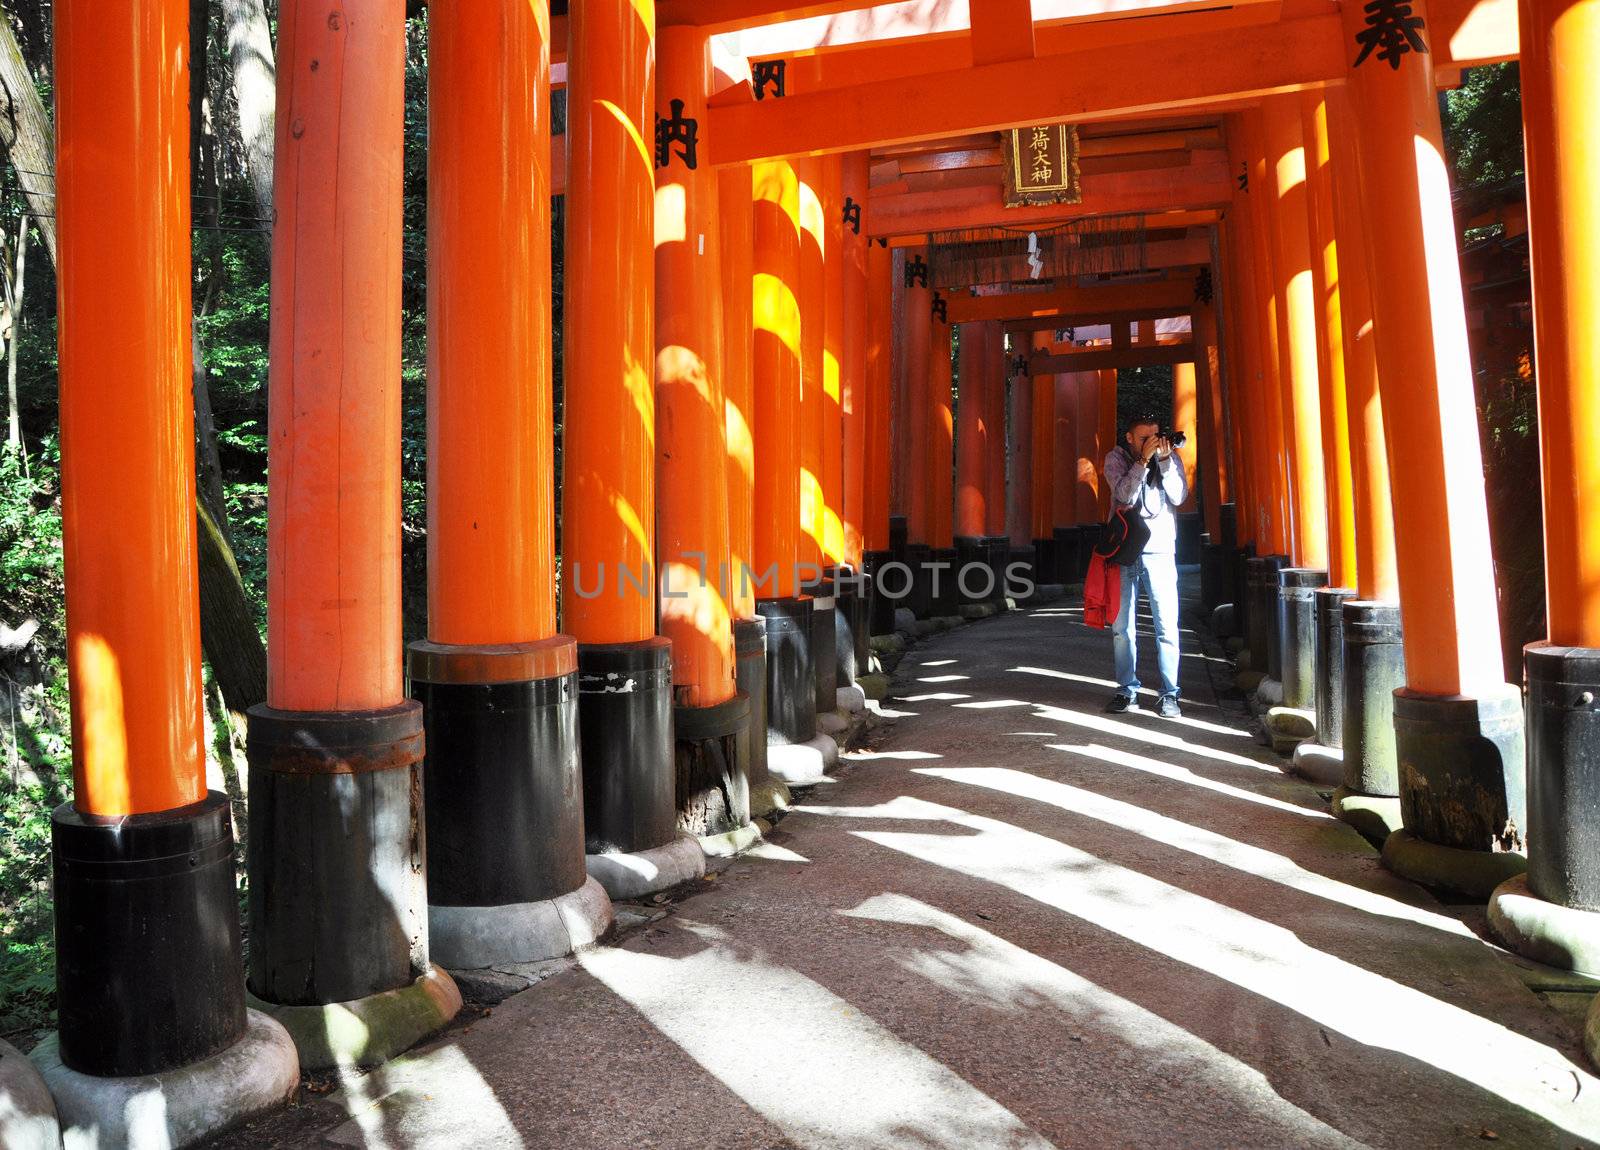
(1262, 576)
(919, 596)
(1211, 573)
(1563, 774)
(996, 554)
(1374, 669)
(750, 677)
(1022, 570)
(624, 697)
(147, 938)
(899, 536)
(791, 687)
(1072, 554)
(852, 608)
(1461, 769)
(1188, 538)
(824, 644)
(1329, 664)
(945, 594)
(1297, 634)
(1044, 561)
(336, 854)
(882, 604)
(713, 792)
(972, 570)
(1237, 577)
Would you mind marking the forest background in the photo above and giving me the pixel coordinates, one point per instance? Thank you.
(232, 74)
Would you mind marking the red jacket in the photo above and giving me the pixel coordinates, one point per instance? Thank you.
(1102, 592)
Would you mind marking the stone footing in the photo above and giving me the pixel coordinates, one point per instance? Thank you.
(175, 1108)
(27, 1112)
(730, 843)
(368, 1031)
(1475, 874)
(979, 610)
(852, 699)
(801, 764)
(1318, 764)
(833, 724)
(1288, 727)
(1376, 817)
(1270, 693)
(473, 937)
(1246, 682)
(768, 795)
(1547, 932)
(874, 686)
(638, 873)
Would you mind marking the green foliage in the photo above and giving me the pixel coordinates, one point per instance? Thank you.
(30, 543)
(1482, 122)
(1143, 392)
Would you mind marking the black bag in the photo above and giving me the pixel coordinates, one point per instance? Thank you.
(1123, 537)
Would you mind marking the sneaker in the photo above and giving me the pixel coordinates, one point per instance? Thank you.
(1167, 707)
(1119, 703)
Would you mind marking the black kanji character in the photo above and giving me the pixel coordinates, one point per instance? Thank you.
(916, 272)
(852, 214)
(1203, 290)
(764, 72)
(681, 130)
(1392, 30)
(940, 309)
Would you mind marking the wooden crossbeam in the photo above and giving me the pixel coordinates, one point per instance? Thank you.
(1101, 358)
(1177, 296)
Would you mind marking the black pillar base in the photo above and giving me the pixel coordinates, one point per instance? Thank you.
(1188, 538)
(1240, 587)
(1374, 669)
(713, 792)
(1044, 561)
(1563, 774)
(1297, 634)
(337, 854)
(1211, 560)
(750, 677)
(1072, 558)
(972, 584)
(852, 623)
(944, 595)
(919, 600)
(1022, 569)
(824, 643)
(791, 687)
(881, 620)
(147, 938)
(624, 707)
(1461, 769)
(997, 553)
(1330, 664)
(1262, 576)
(505, 794)
(899, 536)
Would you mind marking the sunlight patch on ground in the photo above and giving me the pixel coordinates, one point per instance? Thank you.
(933, 697)
(986, 969)
(772, 852)
(1195, 840)
(1111, 684)
(1184, 775)
(399, 1100)
(992, 704)
(1257, 956)
(937, 663)
(808, 1061)
(941, 678)
(1156, 738)
(862, 756)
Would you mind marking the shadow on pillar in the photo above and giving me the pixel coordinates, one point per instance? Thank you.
(882, 604)
(1071, 554)
(1044, 561)
(338, 862)
(943, 592)
(506, 796)
(1297, 634)
(919, 596)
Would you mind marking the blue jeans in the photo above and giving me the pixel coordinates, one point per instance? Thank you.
(1158, 574)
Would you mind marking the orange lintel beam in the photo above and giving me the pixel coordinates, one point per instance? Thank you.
(1086, 84)
(1001, 30)
(1177, 295)
(1191, 252)
(1102, 358)
(1022, 327)
(1206, 184)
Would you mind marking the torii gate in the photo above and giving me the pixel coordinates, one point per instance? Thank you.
(734, 352)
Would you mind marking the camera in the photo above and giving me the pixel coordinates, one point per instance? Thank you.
(1176, 438)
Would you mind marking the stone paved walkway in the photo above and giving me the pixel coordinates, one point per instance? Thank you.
(1014, 921)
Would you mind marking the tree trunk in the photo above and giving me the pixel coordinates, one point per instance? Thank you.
(14, 302)
(255, 90)
(26, 135)
(228, 634)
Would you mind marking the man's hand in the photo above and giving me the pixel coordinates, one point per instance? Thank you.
(1151, 446)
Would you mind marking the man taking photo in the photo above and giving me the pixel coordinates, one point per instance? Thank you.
(1144, 473)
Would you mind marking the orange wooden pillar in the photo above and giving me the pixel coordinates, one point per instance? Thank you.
(1277, 514)
(831, 473)
(1055, 476)
(1458, 725)
(711, 716)
(1237, 382)
(1297, 320)
(972, 434)
(492, 655)
(940, 454)
(813, 343)
(994, 416)
(1185, 418)
(854, 598)
(877, 468)
(1560, 42)
(912, 430)
(336, 917)
(1020, 486)
(1374, 658)
(1067, 527)
(737, 236)
(1106, 429)
(776, 359)
(1215, 474)
(126, 919)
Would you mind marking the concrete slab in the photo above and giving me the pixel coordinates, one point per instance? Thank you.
(1014, 920)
